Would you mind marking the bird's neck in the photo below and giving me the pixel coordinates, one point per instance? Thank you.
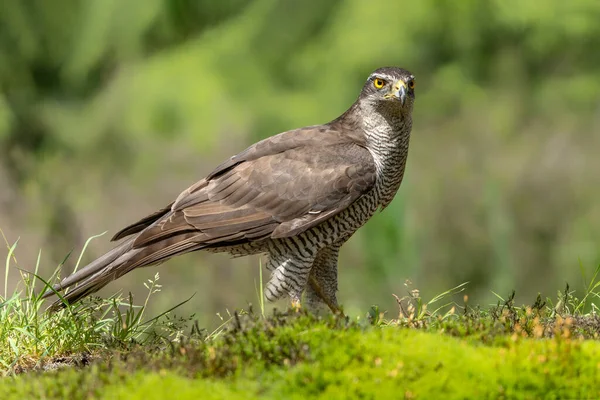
(387, 138)
(387, 134)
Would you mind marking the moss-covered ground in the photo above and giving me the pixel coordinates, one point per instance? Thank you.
(513, 354)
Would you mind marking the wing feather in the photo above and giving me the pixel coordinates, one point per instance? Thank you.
(279, 187)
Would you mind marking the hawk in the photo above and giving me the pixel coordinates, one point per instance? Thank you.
(297, 197)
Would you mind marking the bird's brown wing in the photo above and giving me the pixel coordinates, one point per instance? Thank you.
(277, 188)
(308, 138)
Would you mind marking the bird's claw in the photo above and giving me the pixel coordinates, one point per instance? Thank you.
(296, 306)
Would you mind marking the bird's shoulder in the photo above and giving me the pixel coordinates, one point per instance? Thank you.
(326, 137)
(303, 154)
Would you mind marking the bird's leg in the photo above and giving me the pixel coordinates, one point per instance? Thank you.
(289, 273)
(322, 287)
(318, 291)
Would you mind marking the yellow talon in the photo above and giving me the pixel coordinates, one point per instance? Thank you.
(296, 306)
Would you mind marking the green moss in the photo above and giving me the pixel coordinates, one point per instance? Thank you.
(298, 358)
(168, 385)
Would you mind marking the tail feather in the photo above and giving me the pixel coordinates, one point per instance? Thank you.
(100, 278)
(118, 262)
(92, 268)
(88, 287)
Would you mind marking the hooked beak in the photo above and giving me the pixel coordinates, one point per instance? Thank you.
(398, 91)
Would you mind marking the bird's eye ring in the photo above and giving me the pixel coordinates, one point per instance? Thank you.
(411, 84)
(378, 83)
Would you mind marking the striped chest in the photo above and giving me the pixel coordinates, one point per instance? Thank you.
(389, 148)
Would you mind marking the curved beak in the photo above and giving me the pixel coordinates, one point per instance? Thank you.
(398, 91)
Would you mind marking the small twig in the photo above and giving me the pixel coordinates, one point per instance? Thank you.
(402, 311)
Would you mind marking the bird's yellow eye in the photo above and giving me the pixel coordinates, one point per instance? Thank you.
(411, 84)
(378, 83)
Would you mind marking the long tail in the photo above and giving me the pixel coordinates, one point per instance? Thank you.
(92, 277)
(119, 261)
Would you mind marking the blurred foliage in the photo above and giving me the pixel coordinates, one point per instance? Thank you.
(108, 109)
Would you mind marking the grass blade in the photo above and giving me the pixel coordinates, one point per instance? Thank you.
(10, 253)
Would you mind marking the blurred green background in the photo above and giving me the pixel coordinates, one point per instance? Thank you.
(108, 109)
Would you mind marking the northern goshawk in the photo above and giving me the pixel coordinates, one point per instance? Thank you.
(296, 197)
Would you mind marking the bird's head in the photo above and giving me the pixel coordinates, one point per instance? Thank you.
(390, 88)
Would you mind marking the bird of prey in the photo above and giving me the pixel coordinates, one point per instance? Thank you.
(296, 197)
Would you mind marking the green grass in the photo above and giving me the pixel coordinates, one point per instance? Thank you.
(31, 337)
(444, 347)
